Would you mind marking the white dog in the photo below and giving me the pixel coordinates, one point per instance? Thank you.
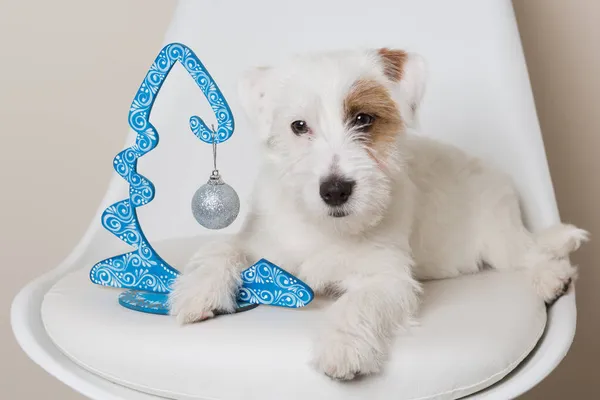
(353, 204)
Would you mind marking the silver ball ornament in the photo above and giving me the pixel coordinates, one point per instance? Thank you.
(215, 204)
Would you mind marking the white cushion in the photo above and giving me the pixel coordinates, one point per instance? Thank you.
(472, 332)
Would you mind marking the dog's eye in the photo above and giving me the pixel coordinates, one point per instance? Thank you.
(363, 120)
(299, 127)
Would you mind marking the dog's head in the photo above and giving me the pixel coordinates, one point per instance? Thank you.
(332, 125)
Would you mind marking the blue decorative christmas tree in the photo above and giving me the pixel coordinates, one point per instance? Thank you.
(142, 270)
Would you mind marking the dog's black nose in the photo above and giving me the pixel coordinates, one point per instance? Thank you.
(335, 191)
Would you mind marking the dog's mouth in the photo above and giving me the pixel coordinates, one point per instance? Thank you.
(338, 213)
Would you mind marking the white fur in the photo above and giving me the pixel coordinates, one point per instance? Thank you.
(424, 211)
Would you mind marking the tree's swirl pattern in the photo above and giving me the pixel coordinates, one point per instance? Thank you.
(266, 283)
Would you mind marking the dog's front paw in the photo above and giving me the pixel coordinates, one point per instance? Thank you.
(190, 301)
(343, 356)
(190, 313)
(198, 294)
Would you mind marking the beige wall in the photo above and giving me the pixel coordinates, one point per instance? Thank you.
(110, 43)
(68, 72)
(561, 39)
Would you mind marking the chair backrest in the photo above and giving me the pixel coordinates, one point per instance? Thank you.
(478, 96)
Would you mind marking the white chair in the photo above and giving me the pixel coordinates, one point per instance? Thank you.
(478, 97)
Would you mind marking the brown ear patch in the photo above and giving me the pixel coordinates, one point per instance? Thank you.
(393, 63)
(371, 97)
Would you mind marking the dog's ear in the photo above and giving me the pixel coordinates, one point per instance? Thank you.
(255, 93)
(408, 72)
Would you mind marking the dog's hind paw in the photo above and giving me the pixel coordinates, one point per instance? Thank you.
(561, 240)
(552, 279)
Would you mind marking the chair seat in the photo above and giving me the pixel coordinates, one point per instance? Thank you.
(472, 331)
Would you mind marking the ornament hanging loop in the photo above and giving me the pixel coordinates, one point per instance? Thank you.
(215, 177)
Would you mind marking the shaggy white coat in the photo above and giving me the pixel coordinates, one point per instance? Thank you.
(423, 210)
